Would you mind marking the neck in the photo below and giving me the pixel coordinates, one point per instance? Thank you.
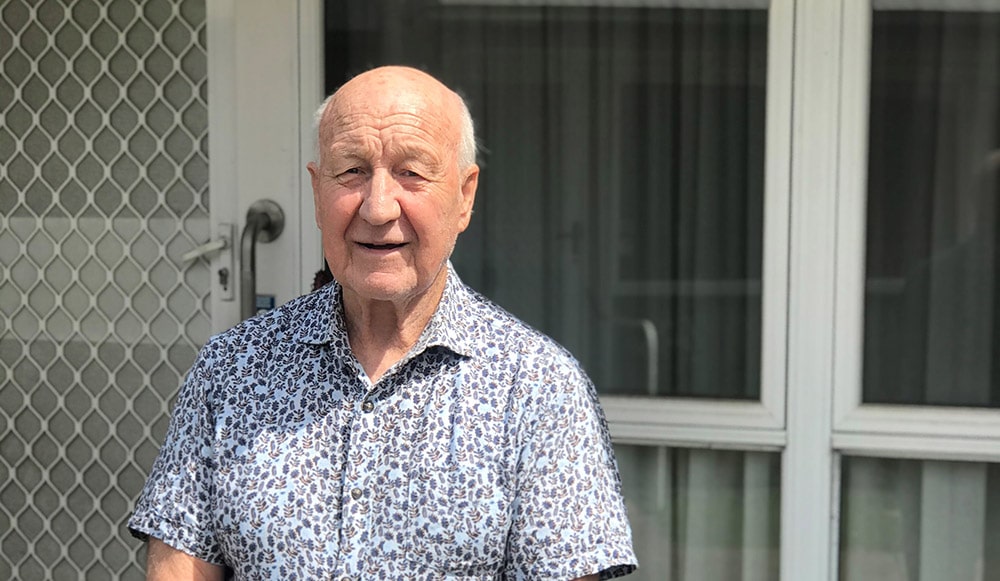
(383, 332)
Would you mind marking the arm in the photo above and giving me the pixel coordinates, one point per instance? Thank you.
(174, 509)
(589, 578)
(164, 563)
(569, 517)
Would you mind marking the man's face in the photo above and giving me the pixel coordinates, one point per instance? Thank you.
(390, 199)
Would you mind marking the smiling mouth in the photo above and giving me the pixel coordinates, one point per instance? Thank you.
(381, 246)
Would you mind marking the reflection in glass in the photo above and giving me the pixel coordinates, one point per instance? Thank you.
(620, 206)
(907, 520)
(932, 328)
(702, 515)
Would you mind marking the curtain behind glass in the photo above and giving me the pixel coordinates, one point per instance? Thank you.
(620, 210)
(620, 207)
(907, 520)
(932, 316)
(689, 208)
(702, 515)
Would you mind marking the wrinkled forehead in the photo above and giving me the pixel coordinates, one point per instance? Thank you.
(378, 110)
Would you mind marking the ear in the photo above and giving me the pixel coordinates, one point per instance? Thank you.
(469, 185)
(314, 176)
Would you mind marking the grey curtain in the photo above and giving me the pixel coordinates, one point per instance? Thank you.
(932, 315)
(621, 204)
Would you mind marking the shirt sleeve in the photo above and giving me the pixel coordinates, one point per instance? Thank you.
(175, 504)
(569, 516)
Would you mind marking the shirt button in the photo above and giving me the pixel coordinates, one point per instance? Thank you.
(356, 493)
(367, 406)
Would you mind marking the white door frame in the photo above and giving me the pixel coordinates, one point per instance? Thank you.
(265, 81)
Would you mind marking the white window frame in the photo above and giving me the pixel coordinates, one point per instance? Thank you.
(311, 95)
(808, 464)
(747, 425)
(688, 422)
(682, 422)
(878, 430)
(927, 432)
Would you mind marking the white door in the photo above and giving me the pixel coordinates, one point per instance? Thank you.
(260, 122)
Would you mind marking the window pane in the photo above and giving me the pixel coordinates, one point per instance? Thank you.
(702, 515)
(932, 316)
(620, 207)
(910, 519)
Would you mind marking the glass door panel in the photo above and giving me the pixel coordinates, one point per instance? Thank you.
(621, 201)
(702, 515)
(932, 316)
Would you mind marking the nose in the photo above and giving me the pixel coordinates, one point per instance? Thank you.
(380, 205)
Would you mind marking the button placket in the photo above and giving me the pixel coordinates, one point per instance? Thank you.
(361, 457)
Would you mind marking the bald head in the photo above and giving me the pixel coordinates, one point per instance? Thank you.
(401, 89)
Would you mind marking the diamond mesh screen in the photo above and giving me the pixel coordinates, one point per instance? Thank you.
(103, 142)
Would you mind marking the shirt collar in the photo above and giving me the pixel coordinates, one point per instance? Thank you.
(319, 319)
(450, 326)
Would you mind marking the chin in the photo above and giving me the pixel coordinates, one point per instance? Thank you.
(391, 285)
(386, 287)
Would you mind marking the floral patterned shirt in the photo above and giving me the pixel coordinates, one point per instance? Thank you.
(482, 454)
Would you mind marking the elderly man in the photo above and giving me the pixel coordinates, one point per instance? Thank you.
(393, 424)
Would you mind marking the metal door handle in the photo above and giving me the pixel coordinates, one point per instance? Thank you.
(265, 221)
(206, 248)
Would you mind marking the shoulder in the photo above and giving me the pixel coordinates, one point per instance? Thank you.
(289, 322)
(302, 320)
(535, 370)
(496, 330)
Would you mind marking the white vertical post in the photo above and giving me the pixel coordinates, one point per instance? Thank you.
(254, 136)
(220, 24)
(807, 488)
(311, 93)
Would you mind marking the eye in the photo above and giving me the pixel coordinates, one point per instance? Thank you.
(349, 176)
(410, 173)
(350, 173)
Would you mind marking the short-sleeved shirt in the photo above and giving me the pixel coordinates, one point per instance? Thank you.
(482, 454)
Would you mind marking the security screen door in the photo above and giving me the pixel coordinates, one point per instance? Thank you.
(104, 191)
(105, 187)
